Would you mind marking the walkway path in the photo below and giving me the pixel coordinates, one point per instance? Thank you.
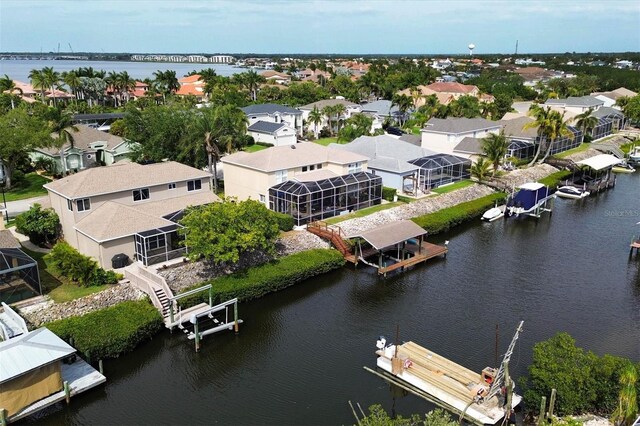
(14, 208)
(24, 241)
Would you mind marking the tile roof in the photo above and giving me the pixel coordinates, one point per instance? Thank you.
(272, 73)
(328, 102)
(452, 87)
(7, 240)
(469, 145)
(121, 177)
(189, 79)
(266, 127)
(269, 109)
(291, 156)
(458, 125)
(190, 89)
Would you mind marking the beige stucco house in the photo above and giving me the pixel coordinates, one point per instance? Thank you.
(128, 208)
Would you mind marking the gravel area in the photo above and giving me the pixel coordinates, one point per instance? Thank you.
(520, 176)
(38, 314)
(414, 209)
(297, 241)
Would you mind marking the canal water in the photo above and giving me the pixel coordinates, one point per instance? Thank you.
(298, 358)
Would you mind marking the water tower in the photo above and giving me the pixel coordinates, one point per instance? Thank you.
(471, 47)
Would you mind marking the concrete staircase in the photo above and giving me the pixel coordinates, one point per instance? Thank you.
(608, 148)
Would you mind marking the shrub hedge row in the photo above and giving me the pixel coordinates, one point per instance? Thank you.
(388, 193)
(285, 221)
(110, 332)
(444, 219)
(260, 280)
(82, 269)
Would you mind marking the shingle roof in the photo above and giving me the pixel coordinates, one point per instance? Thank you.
(605, 111)
(412, 139)
(458, 125)
(328, 102)
(122, 177)
(391, 234)
(381, 107)
(30, 351)
(579, 101)
(269, 109)
(7, 240)
(291, 156)
(84, 137)
(469, 145)
(265, 127)
(315, 175)
(164, 207)
(515, 128)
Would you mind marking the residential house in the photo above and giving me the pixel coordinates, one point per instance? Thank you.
(534, 75)
(306, 180)
(315, 76)
(523, 142)
(19, 276)
(610, 98)
(446, 92)
(192, 85)
(469, 148)
(90, 148)
(276, 77)
(610, 120)
(28, 93)
(276, 134)
(381, 111)
(128, 208)
(574, 104)
(351, 108)
(444, 134)
(275, 113)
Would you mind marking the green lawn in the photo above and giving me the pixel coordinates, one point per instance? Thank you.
(57, 287)
(453, 186)
(326, 141)
(363, 212)
(583, 147)
(255, 148)
(32, 187)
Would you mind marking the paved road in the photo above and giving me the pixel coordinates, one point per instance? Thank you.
(16, 207)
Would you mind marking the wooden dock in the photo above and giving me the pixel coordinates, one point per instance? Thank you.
(427, 251)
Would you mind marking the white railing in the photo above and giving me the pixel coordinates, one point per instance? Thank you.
(15, 318)
(143, 284)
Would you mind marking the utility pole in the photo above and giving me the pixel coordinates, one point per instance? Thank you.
(516, 47)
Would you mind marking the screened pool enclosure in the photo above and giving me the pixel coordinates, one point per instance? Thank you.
(440, 169)
(520, 149)
(19, 277)
(322, 199)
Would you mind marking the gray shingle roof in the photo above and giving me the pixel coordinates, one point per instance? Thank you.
(515, 128)
(84, 137)
(269, 109)
(578, 101)
(469, 146)
(459, 125)
(7, 240)
(605, 111)
(412, 139)
(327, 102)
(265, 127)
(381, 107)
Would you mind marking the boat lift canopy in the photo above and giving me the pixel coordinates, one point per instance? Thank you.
(391, 234)
(600, 162)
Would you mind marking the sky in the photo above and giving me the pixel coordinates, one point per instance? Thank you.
(324, 27)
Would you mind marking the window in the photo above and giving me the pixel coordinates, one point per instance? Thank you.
(83, 204)
(172, 185)
(319, 166)
(355, 167)
(262, 198)
(305, 168)
(281, 176)
(312, 167)
(155, 242)
(141, 194)
(70, 205)
(194, 185)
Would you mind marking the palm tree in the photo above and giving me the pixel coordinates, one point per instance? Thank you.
(403, 102)
(315, 118)
(38, 82)
(627, 409)
(329, 111)
(72, 80)
(62, 127)
(586, 122)
(480, 169)
(339, 110)
(495, 147)
(166, 82)
(251, 80)
(541, 123)
(52, 79)
(558, 128)
(113, 86)
(126, 84)
(8, 85)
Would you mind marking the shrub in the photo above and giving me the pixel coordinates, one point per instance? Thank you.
(281, 273)
(17, 178)
(82, 269)
(388, 193)
(405, 199)
(110, 332)
(285, 221)
(444, 219)
(40, 225)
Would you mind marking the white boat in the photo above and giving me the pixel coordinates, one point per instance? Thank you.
(634, 155)
(623, 168)
(572, 192)
(530, 199)
(493, 214)
(481, 397)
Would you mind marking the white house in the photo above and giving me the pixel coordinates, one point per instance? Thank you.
(276, 134)
(350, 109)
(610, 98)
(274, 113)
(575, 104)
(443, 135)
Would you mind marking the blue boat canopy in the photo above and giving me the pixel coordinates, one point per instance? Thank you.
(529, 195)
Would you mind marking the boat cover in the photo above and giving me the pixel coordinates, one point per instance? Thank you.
(527, 198)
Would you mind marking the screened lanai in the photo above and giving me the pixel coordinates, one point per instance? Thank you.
(325, 198)
(159, 245)
(440, 169)
(607, 125)
(19, 277)
(567, 142)
(521, 149)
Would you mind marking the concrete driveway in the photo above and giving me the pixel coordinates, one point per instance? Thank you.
(14, 208)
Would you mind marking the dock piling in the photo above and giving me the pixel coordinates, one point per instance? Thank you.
(3, 417)
(543, 404)
(552, 403)
(100, 368)
(67, 392)
(236, 325)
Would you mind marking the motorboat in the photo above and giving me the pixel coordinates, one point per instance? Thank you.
(530, 200)
(492, 214)
(634, 155)
(623, 168)
(572, 192)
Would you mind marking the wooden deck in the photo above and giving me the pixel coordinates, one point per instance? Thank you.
(428, 251)
(80, 376)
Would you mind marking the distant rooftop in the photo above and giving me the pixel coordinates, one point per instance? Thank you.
(459, 125)
(269, 109)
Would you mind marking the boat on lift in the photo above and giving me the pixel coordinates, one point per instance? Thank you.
(531, 200)
(623, 168)
(484, 398)
(572, 192)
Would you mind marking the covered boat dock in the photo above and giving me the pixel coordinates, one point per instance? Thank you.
(596, 172)
(398, 245)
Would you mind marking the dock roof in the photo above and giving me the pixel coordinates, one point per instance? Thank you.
(600, 162)
(30, 351)
(391, 234)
